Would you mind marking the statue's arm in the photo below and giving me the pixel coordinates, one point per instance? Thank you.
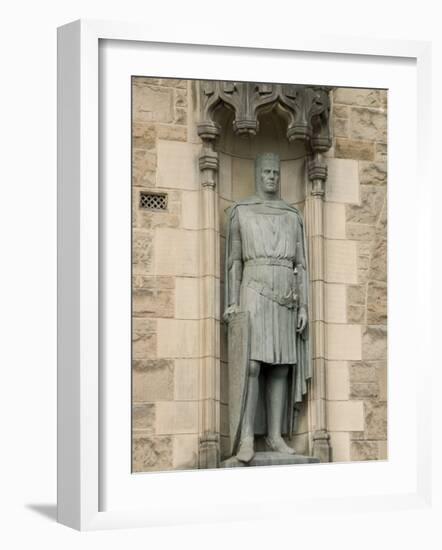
(234, 265)
(301, 280)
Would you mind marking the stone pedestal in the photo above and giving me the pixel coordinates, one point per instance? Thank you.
(268, 458)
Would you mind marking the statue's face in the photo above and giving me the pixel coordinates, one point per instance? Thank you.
(269, 177)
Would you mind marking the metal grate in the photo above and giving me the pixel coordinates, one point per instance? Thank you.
(153, 201)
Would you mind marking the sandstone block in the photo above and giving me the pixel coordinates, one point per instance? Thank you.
(180, 116)
(364, 390)
(176, 417)
(343, 181)
(354, 149)
(145, 81)
(153, 303)
(382, 379)
(152, 380)
(191, 210)
(338, 385)
(357, 96)
(181, 98)
(374, 342)
(356, 295)
(341, 262)
(185, 452)
(363, 261)
(367, 212)
(187, 304)
(378, 265)
(335, 304)
(340, 111)
(364, 249)
(178, 338)
(360, 232)
(356, 314)
(345, 416)
(381, 151)
(143, 136)
(177, 165)
(368, 124)
(334, 214)
(150, 281)
(343, 342)
(340, 445)
(176, 252)
(383, 450)
(187, 379)
(144, 338)
(362, 372)
(171, 132)
(340, 127)
(375, 420)
(143, 417)
(362, 271)
(149, 219)
(373, 173)
(174, 82)
(142, 251)
(377, 303)
(151, 453)
(364, 450)
(210, 261)
(151, 103)
(144, 165)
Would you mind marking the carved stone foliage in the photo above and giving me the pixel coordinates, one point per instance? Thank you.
(306, 109)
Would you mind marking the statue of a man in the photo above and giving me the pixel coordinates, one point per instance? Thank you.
(266, 277)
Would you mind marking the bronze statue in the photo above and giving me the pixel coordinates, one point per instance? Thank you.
(266, 285)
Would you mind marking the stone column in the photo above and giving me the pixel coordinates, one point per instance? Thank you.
(314, 219)
(209, 447)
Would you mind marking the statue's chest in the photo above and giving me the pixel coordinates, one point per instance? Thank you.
(268, 223)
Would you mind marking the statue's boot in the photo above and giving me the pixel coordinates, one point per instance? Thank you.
(246, 450)
(279, 445)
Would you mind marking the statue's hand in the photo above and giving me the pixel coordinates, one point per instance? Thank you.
(230, 312)
(302, 319)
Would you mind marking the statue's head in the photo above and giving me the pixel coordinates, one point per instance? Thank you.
(267, 172)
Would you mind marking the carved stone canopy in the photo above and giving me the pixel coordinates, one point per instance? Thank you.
(306, 109)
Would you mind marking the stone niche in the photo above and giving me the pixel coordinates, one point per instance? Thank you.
(238, 121)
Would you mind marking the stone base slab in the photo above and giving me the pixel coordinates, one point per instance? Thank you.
(268, 458)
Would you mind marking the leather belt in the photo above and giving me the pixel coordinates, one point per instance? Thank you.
(269, 261)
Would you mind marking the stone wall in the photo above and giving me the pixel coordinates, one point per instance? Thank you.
(165, 285)
(356, 227)
(177, 391)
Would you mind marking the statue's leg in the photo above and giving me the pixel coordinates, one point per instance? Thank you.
(246, 449)
(275, 399)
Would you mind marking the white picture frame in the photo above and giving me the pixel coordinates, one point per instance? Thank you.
(80, 441)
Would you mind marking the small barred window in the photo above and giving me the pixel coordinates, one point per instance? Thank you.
(153, 201)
